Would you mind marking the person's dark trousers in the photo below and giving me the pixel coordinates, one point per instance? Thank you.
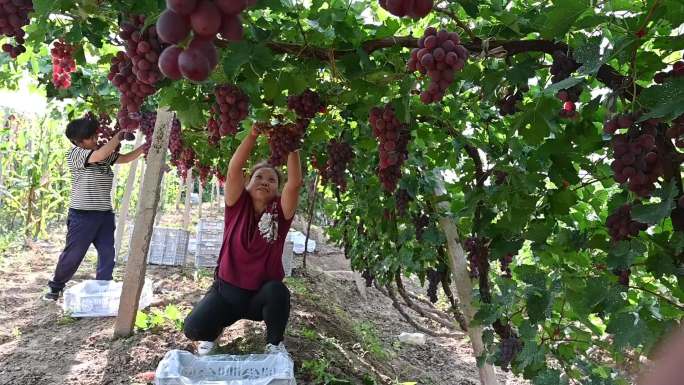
(225, 304)
(83, 228)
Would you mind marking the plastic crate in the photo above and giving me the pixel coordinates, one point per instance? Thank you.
(209, 240)
(94, 298)
(179, 367)
(288, 257)
(168, 246)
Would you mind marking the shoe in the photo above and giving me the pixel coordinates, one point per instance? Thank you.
(205, 347)
(276, 349)
(52, 295)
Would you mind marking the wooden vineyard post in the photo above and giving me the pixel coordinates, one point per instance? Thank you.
(218, 195)
(134, 277)
(314, 192)
(126, 203)
(178, 196)
(115, 184)
(140, 186)
(464, 287)
(162, 196)
(188, 202)
(201, 192)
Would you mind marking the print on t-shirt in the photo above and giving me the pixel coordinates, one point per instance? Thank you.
(268, 224)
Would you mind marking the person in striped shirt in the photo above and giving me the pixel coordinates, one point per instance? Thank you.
(91, 218)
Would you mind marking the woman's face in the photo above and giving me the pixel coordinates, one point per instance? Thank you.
(264, 184)
(89, 143)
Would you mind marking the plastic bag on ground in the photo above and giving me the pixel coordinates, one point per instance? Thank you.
(299, 240)
(93, 298)
(412, 338)
(179, 367)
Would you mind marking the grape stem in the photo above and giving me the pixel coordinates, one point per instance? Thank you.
(668, 300)
(458, 21)
(606, 74)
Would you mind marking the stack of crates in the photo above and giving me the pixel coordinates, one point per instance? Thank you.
(168, 246)
(209, 240)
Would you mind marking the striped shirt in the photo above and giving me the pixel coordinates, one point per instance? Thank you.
(91, 183)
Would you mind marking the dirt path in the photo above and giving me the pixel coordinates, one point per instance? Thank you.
(333, 334)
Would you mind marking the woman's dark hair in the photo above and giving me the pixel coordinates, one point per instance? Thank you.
(80, 129)
(265, 164)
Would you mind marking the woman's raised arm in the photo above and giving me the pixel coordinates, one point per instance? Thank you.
(235, 179)
(290, 197)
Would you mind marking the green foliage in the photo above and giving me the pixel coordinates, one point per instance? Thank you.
(171, 316)
(370, 341)
(318, 370)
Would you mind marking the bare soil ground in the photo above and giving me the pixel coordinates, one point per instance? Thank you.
(334, 336)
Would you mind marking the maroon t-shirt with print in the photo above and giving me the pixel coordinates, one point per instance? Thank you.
(252, 248)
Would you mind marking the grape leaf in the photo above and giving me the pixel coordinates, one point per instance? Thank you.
(590, 56)
(563, 84)
(628, 330)
(654, 213)
(665, 100)
(561, 16)
(562, 200)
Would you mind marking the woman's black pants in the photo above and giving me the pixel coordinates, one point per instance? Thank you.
(225, 304)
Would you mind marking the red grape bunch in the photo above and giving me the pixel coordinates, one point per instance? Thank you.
(638, 161)
(420, 222)
(340, 154)
(186, 161)
(623, 276)
(13, 17)
(220, 175)
(306, 105)
(508, 350)
(478, 255)
(402, 199)
(213, 129)
(368, 277)
(507, 104)
(434, 279)
(500, 177)
(439, 55)
(506, 261)
(232, 106)
(283, 138)
(63, 64)
(143, 47)
(676, 131)
(205, 19)
(393, 137)
(621, 226)
(104, 131)
(175, 140)
(677, 71)
(204, 172)
(147, 123)
(133, 91)
(415, 9)
(561, 69)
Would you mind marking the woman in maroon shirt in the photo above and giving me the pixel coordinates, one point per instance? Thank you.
(249, 277)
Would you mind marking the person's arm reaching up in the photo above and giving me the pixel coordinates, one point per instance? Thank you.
(131, 156)
(290, 196)
(105, 151)
(235, 179)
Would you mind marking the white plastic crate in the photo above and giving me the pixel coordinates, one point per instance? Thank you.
(288, 257)
(209, 240)
(93, 298)
(168, 246)
(179, 367)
